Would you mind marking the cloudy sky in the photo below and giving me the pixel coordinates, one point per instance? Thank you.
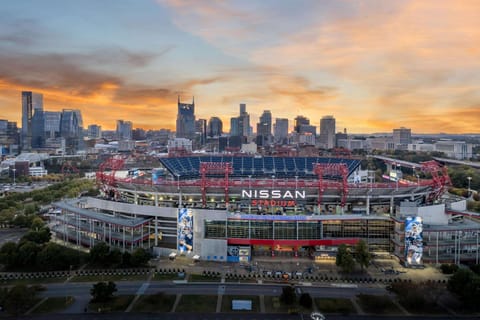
(374, 65)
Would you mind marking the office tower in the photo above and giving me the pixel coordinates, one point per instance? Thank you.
(215, 127)
(234, 127)
(8, 132)
(243, 108)
(299, 121)
(138, 134)
(402, 137)
(244, 121)
(280, 129)
(186, 120)
(31, 101)
(94, 131)
(306, 128)
(124, 130)
(264, 128)
(52, 124)
(70, 130)
(327, 132)
(201, 130)
(38, 129)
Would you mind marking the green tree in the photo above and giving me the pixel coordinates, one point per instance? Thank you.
(362, 254)
(288, 296)
(99, 254)
(140, 257)
(344, 259)
(27, 254)
(466, 285)
(103, 291)
(115, 257)
(19, 299)
(37, 224)
(9, 255)
(41, 236)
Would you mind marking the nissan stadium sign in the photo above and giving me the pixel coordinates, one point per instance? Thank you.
(275, 197)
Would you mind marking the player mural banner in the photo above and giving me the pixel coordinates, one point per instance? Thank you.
(413, 241)
(185, 230)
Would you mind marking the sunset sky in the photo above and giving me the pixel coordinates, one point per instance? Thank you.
(373, 65)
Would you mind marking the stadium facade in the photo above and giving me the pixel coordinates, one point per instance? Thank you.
(226, 208)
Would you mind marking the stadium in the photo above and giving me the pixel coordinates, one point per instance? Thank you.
(233, 208)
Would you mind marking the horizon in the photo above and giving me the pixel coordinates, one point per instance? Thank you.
(373, 65)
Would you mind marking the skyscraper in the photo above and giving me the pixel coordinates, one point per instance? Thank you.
(70, 130)
(280, 134)
(52, 123)
(94, 131)
(31, 101)
(264, 128)
(299, 121)
(186, 120)
(215, 127)
(327, 132)
(124, 130)
(38, 129)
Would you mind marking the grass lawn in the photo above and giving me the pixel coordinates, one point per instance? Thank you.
(118, 303)
(335, 305)
(166, 277)
(197, 304)
(158, 302)
(227, 303)
(135, 277)
(273, 304)
(377, 304)
(202, 278)
(54, 304)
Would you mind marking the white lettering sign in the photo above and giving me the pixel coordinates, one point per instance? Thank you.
(273, 194)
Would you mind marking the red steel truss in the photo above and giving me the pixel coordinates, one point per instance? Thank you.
(440, 178)
(108, 178)
(225, 168)
(332, 169)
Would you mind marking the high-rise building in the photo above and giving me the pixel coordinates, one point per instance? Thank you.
(52, 123)
(240, 126)
(215, 127)
(94, 131)
(234, 127)
(186, 120)
(71, 131)
(280, 130)
(31, 101)
(402, 137)
(124, 130)
(327, 132)
(264, 128)
(8, 137)
(299, 121)
(201, 131)
(38, 129)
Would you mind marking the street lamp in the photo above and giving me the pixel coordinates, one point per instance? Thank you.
(469, 179)
(16, 170)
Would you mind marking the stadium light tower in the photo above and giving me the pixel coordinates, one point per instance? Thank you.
(296, 187)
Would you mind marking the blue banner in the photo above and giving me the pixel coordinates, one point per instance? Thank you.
(185, 230)
(413, 241)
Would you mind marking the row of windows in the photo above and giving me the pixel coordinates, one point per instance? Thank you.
(297, 230)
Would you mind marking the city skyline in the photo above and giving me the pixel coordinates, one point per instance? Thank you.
(373, 65)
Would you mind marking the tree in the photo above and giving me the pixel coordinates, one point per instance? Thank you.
(344, 259)
(362, 254)
(466, 285)
(37, 224)
(140, 257)
(115, 257)
(41, 236)
(9, 254)
(288, 295)
(305, 300)
(99, 254)
(19, 299)
(27, 254)
(103, 291)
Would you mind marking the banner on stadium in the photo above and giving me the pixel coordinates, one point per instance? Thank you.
(413, 241)
(185, 230)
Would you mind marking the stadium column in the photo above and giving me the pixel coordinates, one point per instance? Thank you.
(367, 209)
(391, 205)
(156, 230)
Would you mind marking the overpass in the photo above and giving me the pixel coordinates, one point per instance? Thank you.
(460, 162)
